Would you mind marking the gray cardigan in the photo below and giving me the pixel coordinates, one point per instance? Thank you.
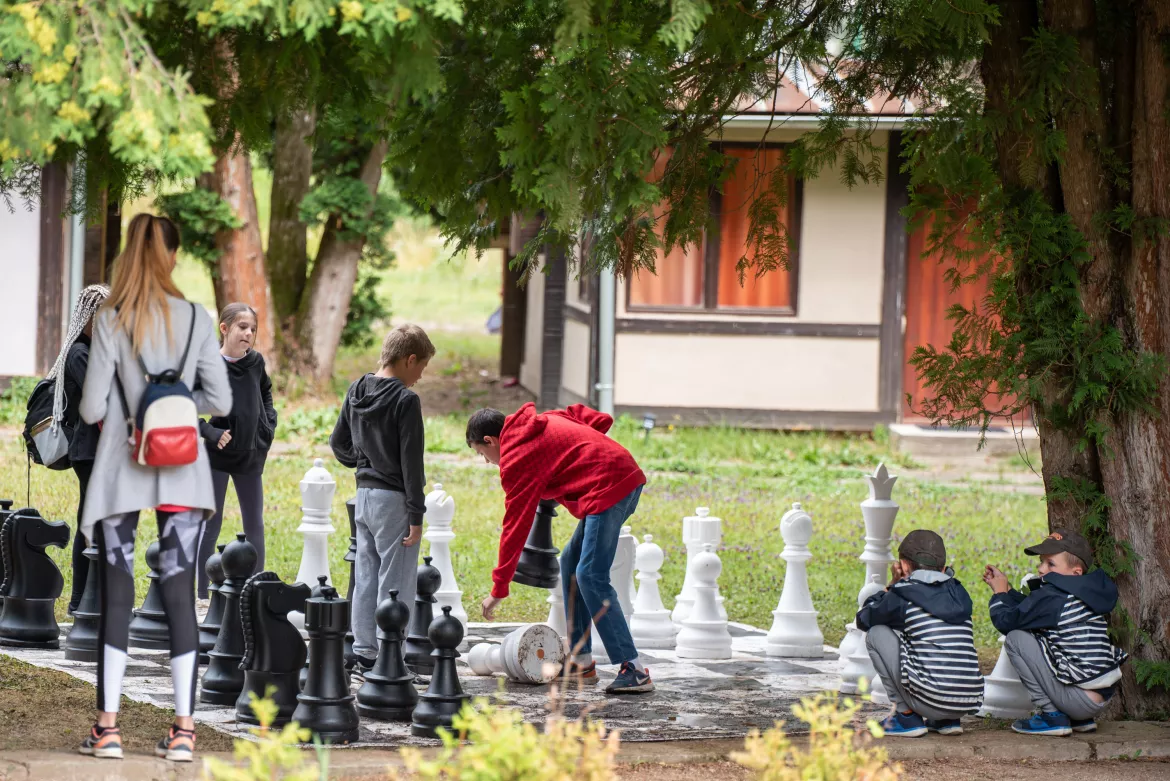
(118, 483)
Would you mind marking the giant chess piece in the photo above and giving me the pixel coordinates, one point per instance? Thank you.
(440, 513)
(443, 697)
(794, 630)
(556, 608)
(317, 489)
(879, 512)
(531, 654)
(5, 511)
(32, 581)
(419, 651)
(274, 652)
(704, 634)
(1004, 695)
(317, 592)
(538, 565)
(325, 706)
(621, 577)
(150, 627)
(699, 530)
(209, 629)
(388, 693)
(650, 624)
(858, 667)
(224, 680)
(81, 644)
(351, 559)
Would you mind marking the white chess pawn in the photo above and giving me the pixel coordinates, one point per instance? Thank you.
(699, 529)
(650, 625)
(1004, 695)
(853, 653)
(440, 512)
(704, 634)
(531, 654)
(556, 609)
(794, 630)
(317, 489)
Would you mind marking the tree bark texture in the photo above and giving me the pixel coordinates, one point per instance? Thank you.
(331, 284)
(292, 169)
(513, 316)
(1126, 284)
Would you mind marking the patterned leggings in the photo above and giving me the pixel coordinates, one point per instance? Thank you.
(178, 537)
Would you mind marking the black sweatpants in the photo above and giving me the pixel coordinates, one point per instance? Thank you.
(250, 492)
(80, 564)
(178, 537)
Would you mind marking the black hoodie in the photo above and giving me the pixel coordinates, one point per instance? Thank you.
(379, 433)
(83, 445)
(252, 421)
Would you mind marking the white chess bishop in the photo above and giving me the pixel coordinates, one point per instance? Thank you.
(704, 633)
(650, 625)
(794, 630)
(440, 513)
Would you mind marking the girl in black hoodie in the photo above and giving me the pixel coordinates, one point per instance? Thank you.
(237, 445)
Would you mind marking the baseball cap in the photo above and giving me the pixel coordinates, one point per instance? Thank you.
(1064, 541)
(924, 547)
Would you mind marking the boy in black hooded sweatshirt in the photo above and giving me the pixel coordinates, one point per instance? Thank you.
(921, 641)
(1057, 637)
(379, 433)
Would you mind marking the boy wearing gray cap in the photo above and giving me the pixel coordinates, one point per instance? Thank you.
(921, 641)
(1057, 636)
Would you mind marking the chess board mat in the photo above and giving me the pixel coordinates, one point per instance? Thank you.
(694, 699)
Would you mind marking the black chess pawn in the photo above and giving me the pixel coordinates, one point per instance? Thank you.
(444, 697)
(418, 645)
(209, 629)
(325, 706)
(224, 680)
(318, 590)
(351, 557)
(274, 652)
(538, 565)
(81, 644)
(150, 627)
(388, 693)
(32, 581)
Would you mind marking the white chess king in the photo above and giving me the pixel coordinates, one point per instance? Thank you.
(650, 625)
(794, 630)
(704, 634)
(440, 513)
(856, 664)
(1004, 695)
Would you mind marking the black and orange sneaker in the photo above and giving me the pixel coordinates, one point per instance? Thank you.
(177, 746)
(102, 742)
(575, 673)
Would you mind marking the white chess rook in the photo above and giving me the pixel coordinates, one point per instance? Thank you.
(531, 654)
(794, 630)
(699, 529)
(879, 512)
(650, 625)
(1004, 695)
(317, 489)
(857, 665)
(440, 513)
(621, 577)
(704, 634)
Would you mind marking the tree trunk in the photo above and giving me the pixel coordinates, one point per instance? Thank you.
(331, 283)
(292, 168)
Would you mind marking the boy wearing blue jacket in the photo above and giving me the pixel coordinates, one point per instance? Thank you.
(921, 641)
(1057, 637)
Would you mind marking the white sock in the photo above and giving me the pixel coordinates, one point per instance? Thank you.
(583, 660)
(183, 670)
(637, 662)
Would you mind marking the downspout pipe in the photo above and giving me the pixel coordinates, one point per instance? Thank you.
(607, 311)
(76, 240)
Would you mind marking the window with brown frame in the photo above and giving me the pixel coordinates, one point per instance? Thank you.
(704, 277)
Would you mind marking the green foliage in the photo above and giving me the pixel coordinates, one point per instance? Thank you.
(273, 754)
(199, 214)
(14, 400)
(502, 747)
(367, 308)
(1151, 673)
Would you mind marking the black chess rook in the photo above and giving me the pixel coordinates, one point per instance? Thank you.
(418, 645)
(274, 652)
(32, 583)
(444, 696)
(224, 680)
(538, 566)
(150, 628)
(388, 693)
(325, 705)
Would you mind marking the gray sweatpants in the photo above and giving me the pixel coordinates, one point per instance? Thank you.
(885, 651)
(1047, 693)
(383, 562)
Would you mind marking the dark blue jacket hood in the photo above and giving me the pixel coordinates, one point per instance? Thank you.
(946, 599)
(1094, 589)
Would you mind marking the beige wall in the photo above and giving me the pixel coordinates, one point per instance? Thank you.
(746, 372)
(20, 267)
(533, 331)
(575, 359)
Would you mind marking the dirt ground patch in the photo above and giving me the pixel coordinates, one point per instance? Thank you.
(46, 710)
(932, 770)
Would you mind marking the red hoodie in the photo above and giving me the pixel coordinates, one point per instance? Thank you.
(562, 455)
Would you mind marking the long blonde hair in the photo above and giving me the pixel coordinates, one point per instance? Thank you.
(142, 278)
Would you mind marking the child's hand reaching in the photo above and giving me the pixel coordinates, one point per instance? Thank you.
(412, 538)
(996, 580)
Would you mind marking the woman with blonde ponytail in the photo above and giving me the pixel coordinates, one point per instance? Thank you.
(145, 322)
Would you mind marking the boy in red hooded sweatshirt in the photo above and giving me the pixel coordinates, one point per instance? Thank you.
(565, 455)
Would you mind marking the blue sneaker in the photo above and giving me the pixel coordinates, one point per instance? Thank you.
(904, 725)
(1055, 724)
(1084, 725)
(630, 681)
(945, 726)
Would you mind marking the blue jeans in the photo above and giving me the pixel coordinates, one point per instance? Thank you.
(585, 564)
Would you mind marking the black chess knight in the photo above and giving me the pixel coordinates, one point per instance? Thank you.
(32, 581)
(274, 652)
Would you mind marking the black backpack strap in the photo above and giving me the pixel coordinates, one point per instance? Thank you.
(187, 349)
(125, 407)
